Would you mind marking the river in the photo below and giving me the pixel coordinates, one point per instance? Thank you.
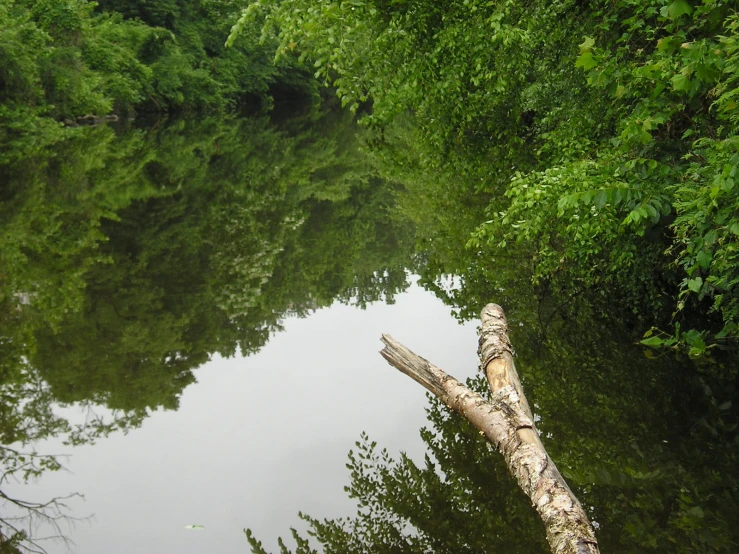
(191, 316)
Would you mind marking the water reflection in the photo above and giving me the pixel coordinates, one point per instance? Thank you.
(649, 446)
(649, 443)
(130, 258)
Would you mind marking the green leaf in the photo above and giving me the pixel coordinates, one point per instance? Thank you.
(600, 198)
(652, 212)
(678, 8)
(693, 338)
(652, 341)
(680, 82)
(663, 44)
(587, 45)
(704, 259)
(195, 527)
(695, 351)
(586, 60)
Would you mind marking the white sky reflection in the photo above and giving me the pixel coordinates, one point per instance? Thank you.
(257, 439)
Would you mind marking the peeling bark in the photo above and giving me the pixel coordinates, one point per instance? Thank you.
(507, 422)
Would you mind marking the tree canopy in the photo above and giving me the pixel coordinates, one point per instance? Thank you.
(131, 258)
(604, 133)
(61, 60)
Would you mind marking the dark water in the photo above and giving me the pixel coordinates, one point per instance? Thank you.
(192, 313)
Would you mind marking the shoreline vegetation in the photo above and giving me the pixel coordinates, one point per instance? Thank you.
(602, 135)
(602, 138)
(69, 62)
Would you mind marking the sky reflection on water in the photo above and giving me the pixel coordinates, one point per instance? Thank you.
(257, 439)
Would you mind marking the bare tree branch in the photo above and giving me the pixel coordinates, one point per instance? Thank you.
(507, 422)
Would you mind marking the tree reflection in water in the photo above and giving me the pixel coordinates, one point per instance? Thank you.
(131, 257)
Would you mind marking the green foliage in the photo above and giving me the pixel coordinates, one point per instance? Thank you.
(112, 51)
(430, 507)
(65, 59)
(604, 133)
(607, 231)
(128, 260)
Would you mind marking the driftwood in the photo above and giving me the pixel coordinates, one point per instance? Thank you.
(507, 422)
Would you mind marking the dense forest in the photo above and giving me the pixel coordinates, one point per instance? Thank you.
(603, 134)
(600, 135)
(62, 60)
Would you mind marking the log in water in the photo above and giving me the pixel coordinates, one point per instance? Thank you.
(507, 422)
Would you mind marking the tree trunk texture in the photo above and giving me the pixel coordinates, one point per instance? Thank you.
(507, 422)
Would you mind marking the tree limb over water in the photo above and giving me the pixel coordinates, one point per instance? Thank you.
(507, 422)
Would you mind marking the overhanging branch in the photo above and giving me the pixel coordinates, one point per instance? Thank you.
(507, 422)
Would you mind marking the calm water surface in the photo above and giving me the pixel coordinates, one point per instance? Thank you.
(259, 438)
(192, 314)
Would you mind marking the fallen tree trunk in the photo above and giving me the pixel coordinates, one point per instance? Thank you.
(507, 422)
